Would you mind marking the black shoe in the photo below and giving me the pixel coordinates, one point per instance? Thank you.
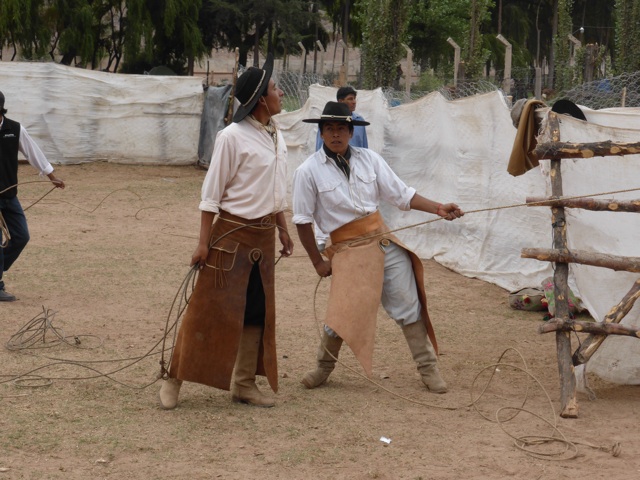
(6, 297)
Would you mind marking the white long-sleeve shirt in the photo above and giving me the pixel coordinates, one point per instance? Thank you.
(322, 193)
(247, 175)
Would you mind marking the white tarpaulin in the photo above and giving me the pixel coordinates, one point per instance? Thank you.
(450, 151)
(77, 115)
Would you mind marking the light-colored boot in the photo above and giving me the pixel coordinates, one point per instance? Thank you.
(326, 363)
(244, 388)
(169, 392)
(425, 356)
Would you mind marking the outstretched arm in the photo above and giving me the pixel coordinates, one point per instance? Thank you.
(448, 211)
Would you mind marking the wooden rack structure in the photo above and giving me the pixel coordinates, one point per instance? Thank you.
(562, 324)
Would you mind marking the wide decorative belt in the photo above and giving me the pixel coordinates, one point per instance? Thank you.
(267, 221)
(358, 228)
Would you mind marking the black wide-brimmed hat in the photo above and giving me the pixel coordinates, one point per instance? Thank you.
(250, 86)
(336, 112)
(2, 110)
(567, 107)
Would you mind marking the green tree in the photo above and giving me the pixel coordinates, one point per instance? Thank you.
(627, 36)
(163, 32)
(73, 24)
(23, 27)
(271, 25)
(112, 36)
(564, 72)
(345, 18)
(431, 24)
(475, 52)
(384, 27)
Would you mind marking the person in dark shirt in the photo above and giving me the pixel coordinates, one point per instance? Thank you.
(14, 233)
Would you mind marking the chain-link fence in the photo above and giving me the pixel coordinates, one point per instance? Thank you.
(623, 90)
(620, 91)
(296, 89)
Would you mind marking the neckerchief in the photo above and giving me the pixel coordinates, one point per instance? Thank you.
(270, 128)
(341, 162)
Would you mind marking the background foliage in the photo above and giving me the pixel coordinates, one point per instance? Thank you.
(174, 33)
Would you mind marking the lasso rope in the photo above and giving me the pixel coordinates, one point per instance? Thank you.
(30, 333)
(4, 230)
(528, 443)
(33, 336)
(183, 296)
(541, 203)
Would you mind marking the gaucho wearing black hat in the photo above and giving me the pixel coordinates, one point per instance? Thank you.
(227, 335)
(339, 189)
(336, 112)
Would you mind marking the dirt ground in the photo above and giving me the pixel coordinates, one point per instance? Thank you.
(107, 257)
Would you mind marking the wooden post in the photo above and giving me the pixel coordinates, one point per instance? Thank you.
(615, 315)
(232, 95)
(322, 52)
(587, 203)
(537, 89)
(408, 74)
(614, 262)
(506, 83)
(568, 403)
(456, 60)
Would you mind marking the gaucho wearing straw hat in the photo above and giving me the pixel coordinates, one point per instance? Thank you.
(227, 335)
(340, 188)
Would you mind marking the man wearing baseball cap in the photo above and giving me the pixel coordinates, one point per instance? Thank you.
(229, 326)
(14, 232)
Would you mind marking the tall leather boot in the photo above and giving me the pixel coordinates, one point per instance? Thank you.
(326, 363)
(425, 356)
(244, 388)
(169, 392)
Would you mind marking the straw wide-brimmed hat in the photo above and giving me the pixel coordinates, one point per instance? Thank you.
(336, 112)
(250, 86)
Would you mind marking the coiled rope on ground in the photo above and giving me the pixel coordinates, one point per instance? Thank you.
(35, 333)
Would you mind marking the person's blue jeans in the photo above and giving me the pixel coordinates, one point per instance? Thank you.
(16, 221)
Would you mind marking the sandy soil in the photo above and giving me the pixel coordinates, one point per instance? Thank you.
(106, 259)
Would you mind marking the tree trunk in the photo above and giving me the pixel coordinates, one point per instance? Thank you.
(552, 53)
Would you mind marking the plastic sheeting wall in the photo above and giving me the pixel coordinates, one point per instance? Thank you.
(216, 106)
(78, 115)
(450, 151)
